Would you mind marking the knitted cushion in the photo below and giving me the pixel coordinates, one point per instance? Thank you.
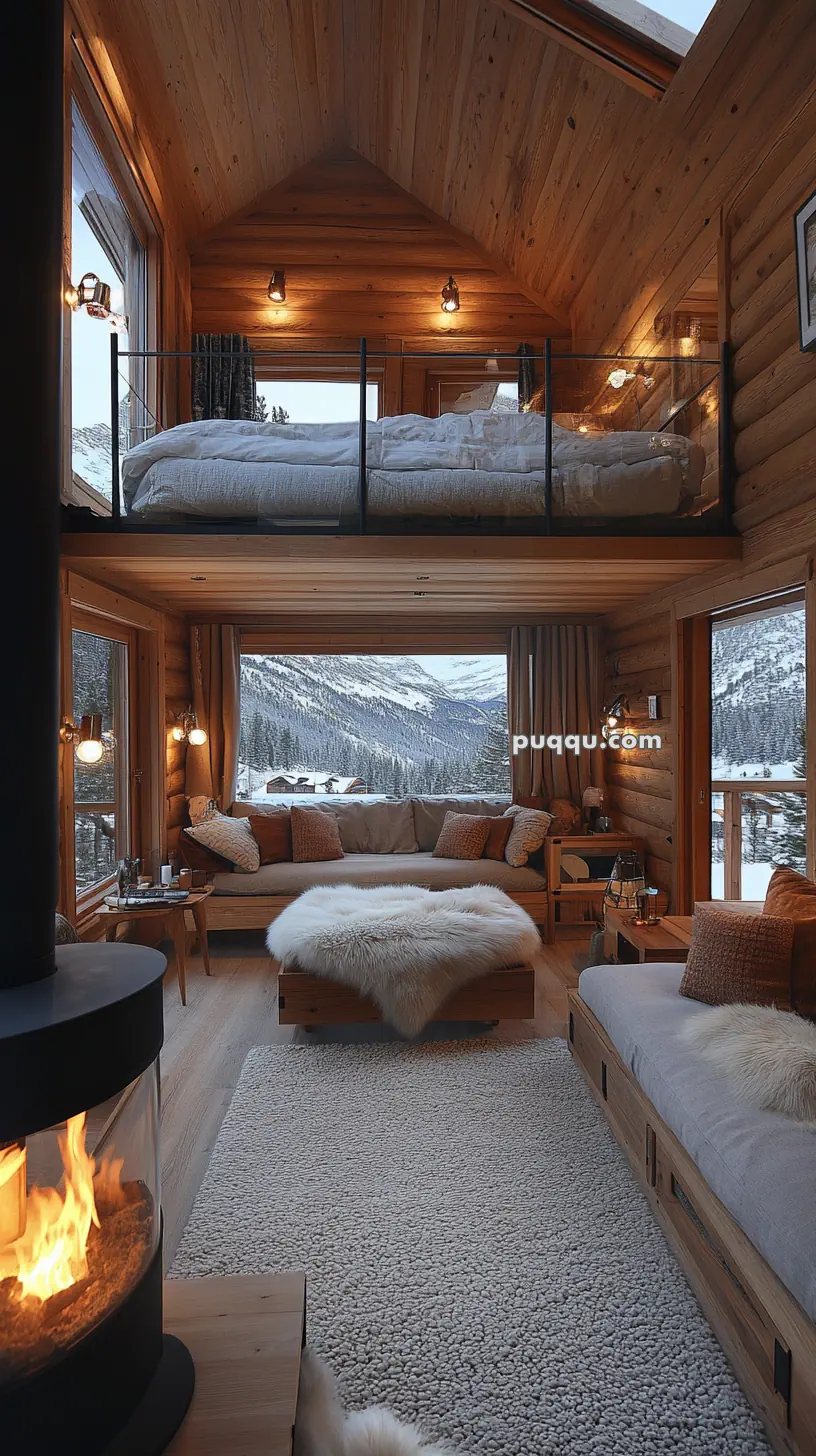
(463, 836)
(315, 836)
(528, 832)
(231, 838)
(735, 957)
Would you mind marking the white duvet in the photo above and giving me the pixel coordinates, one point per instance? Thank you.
(479, 463)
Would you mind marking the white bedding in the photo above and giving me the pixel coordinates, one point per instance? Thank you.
(476, 464)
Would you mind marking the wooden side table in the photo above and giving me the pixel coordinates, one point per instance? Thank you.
(646, 943)
(172, 917)
(580, 895)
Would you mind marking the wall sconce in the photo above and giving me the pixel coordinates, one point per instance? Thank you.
(91, 742)
(186, 729)
(618, 377)
(450, 296)
(614, 715)
(276, 292)
(91, 294)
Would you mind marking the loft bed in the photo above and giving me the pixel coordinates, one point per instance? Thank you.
(647, 457)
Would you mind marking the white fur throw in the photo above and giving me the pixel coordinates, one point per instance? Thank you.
(323, 1429)
(769, 1056)
(408, 948)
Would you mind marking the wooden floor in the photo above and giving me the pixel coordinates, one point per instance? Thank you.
(236, 1009)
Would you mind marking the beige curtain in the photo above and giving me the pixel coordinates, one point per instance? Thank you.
(215, 669)
(555, 687)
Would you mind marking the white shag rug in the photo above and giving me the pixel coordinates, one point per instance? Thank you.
(407, 947)
(479, 1257)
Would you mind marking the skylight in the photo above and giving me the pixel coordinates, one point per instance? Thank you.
(671, 23)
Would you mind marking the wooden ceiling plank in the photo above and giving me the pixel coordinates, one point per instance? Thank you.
(634, 62)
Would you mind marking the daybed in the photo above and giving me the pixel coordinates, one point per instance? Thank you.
(485, 464)
(733, 1188)
(250, 901)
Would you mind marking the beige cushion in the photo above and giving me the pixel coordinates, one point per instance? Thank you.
(315, 836)
(376, 828)
(429, 814)
(462, 836)
(528, 833)
(231, 838)
(383, 869)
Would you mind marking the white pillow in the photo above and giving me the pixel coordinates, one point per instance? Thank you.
(231, 838)
(527, 835)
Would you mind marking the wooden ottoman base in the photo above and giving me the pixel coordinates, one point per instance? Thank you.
(306, 1000)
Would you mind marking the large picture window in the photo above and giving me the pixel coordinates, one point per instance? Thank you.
(105, 240)
(101, 665)
(759, 802)
(387, 725)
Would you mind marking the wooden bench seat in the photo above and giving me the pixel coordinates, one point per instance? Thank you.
(307, 1000)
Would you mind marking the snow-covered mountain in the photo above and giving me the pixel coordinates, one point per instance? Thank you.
(472, 679)
(386, 719)
(758, 698)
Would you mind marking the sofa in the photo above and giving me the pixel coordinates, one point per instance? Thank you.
(734, 1188)
(384, 842)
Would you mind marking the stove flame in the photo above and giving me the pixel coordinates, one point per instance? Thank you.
(51, 1253)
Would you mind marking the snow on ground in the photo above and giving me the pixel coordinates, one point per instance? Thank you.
(755, 880)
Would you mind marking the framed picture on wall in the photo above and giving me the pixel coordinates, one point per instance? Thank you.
(806, 271)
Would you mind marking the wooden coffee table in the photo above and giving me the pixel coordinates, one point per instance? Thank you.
(669, 940)
(172, 917)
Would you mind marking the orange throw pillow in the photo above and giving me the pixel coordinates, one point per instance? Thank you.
(793, 895)
(736, 957)
(497, 837)
(315, 836)
(274, 835)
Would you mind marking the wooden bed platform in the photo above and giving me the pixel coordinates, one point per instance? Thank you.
(766, 1335)
(306, 1000)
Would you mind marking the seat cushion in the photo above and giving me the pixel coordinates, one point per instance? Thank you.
(759, 1164)
(382, 869)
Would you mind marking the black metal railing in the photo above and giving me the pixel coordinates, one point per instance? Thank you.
(716, 371)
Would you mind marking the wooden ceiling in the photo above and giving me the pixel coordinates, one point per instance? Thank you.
(417, 578)
(514, 137)
(361, 256)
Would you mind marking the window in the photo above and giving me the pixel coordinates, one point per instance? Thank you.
(758, 790)
(460, 397)
(685, 17)
(316, 401)
(105, 241)
(391, 725)
(101, 663)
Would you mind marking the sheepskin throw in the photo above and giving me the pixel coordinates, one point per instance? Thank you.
(322, 1427)
(768, 1056)
(407, 948)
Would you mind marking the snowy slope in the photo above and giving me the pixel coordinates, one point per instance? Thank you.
(758, 699)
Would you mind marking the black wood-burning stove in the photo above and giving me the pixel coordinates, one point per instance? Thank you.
(85, 1368)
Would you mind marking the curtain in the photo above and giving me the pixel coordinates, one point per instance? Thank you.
(215, 668)
(526, 374)
(554, 687)
(223, 388)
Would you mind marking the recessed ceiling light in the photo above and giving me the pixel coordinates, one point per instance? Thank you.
(198, 578)
(423, 578)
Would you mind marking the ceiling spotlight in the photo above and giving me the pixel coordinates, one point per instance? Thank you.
(450, 296)
(276, 291)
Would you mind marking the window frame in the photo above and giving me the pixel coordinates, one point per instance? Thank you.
(84, 92)
(126, 802)
(464, 378)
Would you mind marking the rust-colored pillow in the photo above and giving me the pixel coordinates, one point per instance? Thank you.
(274, 835)
(197, 856)
(462, 836)
(735, 957)
(497, 837)
(315, 836)
(793, 895)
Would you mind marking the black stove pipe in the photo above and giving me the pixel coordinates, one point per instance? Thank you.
(33, 287)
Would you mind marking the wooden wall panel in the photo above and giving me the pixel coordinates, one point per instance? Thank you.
(361, 257)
